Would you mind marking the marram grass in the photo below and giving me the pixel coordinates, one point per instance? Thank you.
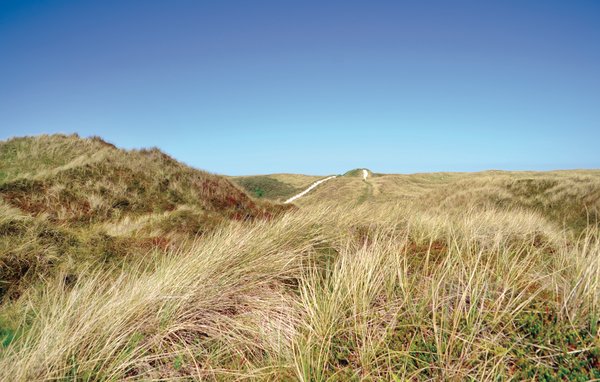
(128, 265)
(330, 294)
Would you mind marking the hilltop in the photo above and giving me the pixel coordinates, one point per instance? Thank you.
(76, 180)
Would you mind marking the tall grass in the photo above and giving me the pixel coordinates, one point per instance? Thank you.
(375, 292)
(66, 200)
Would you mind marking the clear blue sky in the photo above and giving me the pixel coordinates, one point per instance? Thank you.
(320, 87)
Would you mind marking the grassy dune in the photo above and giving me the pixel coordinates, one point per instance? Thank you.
(489, 276)
(66, 202)
(570, 198)
(275, 187)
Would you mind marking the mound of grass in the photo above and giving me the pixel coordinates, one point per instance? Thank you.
(354, 172)
(112, 183)
(62, 197)
(266, 187)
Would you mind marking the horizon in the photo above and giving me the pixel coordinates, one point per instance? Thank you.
(340, 173)
(240, 89)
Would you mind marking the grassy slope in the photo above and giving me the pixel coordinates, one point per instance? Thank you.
(402, 277)
(278, 187)
(89, 180)
(567, 197)
(68, 200)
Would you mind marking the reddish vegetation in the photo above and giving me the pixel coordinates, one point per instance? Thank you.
(70, 191)
(125, 183)
(159, 242)
(436, 247)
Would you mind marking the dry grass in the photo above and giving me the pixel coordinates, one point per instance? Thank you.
(488, 276)
(569, 198)
(84, 200)
(100, 182)
(331, 294)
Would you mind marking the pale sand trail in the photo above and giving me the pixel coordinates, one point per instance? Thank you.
(315, 184)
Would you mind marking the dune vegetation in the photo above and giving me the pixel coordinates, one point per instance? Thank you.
(67, 202)
(127, 265)
(274, 187)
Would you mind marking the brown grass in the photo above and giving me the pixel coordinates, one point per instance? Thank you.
(328, 293)
(76, 195)
(487, 276)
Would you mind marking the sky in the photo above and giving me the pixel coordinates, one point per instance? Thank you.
(314, 87)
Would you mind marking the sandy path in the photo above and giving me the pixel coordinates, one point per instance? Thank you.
(315, 184)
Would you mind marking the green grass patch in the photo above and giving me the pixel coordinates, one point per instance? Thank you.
(265, 187)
